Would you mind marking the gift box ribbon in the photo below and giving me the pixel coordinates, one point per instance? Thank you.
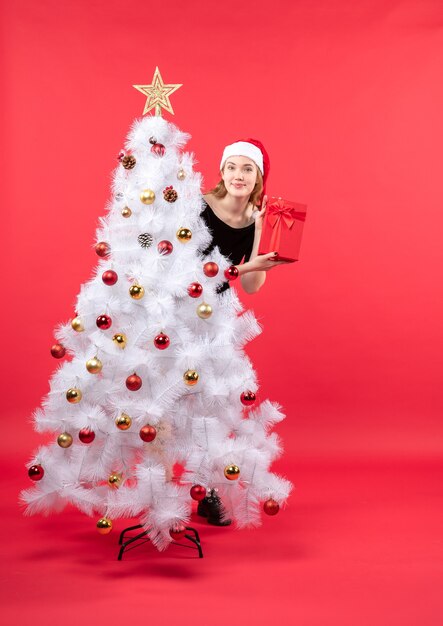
(280, 214)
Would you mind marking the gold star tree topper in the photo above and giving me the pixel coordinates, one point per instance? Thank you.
(157, 94)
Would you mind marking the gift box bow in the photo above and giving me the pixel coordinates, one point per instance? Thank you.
(278, 211)
(281, 212)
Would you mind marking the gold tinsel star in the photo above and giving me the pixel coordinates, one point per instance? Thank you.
(157, 94)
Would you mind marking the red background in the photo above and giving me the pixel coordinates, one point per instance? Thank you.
(347, 98)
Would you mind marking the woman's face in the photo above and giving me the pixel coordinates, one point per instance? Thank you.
(239, 175)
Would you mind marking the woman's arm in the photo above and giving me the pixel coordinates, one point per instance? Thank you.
(253, 272)
(257, 267)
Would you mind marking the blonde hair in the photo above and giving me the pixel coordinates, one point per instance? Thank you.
(220, 191)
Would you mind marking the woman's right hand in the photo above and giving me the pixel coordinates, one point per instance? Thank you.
(265, 262)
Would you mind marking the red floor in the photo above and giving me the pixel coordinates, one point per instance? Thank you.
(359, 545)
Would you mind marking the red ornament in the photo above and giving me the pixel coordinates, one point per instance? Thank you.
(161, 341)
(165, 247)
(198, 492)
(36, 472)
(109, 277)
(58, 351)
(195, 290)
(247, 398)
(210, 269)
(178, 532)
(148, 433)
(231, 273)
(158, 149)
(86, 435)
(133, 382)
(102, 249)
(120, 155)
(104, 322)
(271, 507)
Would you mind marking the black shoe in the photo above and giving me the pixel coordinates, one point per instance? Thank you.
(212, 508)
(203, 506)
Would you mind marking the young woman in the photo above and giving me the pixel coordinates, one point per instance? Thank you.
(230, 211)
(231, 214)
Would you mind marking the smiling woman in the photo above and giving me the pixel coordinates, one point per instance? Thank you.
(242, 176)
(231, 214)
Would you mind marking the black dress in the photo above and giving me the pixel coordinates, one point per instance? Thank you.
(233, 243)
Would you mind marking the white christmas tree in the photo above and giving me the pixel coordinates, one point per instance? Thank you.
(157, 374)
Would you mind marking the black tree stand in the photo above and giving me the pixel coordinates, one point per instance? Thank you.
(143, 537)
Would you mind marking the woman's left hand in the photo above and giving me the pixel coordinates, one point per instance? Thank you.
(259, 216)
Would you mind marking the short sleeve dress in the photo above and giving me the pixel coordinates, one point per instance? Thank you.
(233, 243)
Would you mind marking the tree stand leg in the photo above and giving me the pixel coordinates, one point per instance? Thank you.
(143, 537)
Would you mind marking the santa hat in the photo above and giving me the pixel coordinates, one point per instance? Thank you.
(252, 149)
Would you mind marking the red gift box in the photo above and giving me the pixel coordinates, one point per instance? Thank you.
(282, 229)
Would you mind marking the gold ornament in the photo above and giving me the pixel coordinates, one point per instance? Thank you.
(115, 480)
(73, 395)
(94, 365)
(64, 440)
(126, 212)
(232, 472)
(104, 526)
(204, 310)
(184, 235)
(181, 174)
(77, 324)
(123, 422)
(120, 340)
(147, 196)
(191, 377)
(136, 291)
(157, 94)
